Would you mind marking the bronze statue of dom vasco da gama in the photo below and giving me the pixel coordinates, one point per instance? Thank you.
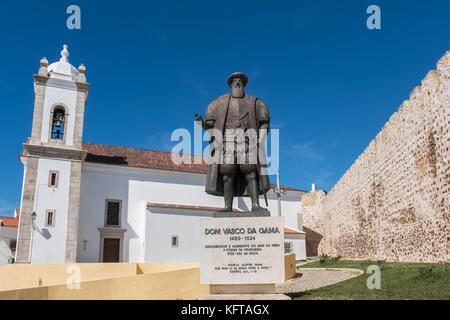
(238, 124)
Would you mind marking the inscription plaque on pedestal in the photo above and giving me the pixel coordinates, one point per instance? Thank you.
(242, 250)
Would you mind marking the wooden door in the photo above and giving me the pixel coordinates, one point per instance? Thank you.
(111, 250)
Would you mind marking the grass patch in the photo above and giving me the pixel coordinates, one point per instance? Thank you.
(399, 280)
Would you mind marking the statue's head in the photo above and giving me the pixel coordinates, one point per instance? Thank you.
(237, 82)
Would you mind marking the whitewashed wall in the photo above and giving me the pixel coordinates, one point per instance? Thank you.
(299, 245)
(162, 224)
(290, 206)
(5, 252)
(49, 243)
(7, 234)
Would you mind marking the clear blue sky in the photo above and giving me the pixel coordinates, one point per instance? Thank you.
(329, 82)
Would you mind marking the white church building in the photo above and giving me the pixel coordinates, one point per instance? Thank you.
(85, 202)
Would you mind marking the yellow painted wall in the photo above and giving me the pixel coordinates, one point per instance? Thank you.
(19, 276)
(179, 284)
(290, 268)
(166, 266)
(25, 294)
(105, 281)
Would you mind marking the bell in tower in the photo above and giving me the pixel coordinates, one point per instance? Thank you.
(58, 124)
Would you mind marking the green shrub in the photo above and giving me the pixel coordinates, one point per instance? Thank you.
(336, 258)
(323, 258)
(426, 270)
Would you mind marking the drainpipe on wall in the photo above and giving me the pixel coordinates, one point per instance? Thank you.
(33, 227)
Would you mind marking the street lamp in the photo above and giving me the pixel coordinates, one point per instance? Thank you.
(279, 193)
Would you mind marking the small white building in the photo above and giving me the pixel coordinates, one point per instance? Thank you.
(8, 237)
(101, 203)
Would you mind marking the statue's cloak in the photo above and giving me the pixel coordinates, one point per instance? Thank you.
(254, 113)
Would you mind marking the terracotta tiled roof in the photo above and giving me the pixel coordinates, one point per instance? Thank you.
(143, 158)
(274, 186)
(11, 222)
(185, 207)
(139, 158)
(292, 230)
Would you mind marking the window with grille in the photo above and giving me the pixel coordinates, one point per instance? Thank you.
(288, 247)
(113, 208)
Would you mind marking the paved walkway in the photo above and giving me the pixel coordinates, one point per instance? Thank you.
(312, 278)
(306, 279)
(300, 263)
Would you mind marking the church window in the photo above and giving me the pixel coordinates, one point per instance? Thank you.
(113, 213)
(175, 241)
(58, 123)
(53, 179)
(50, 218)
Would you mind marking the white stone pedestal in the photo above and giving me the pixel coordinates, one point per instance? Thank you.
(242, 255)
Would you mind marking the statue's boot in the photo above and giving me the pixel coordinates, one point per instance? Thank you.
(260, 209)
(253, 191)
(228, 193)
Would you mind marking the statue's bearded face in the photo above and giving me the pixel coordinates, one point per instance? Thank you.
(237, 88)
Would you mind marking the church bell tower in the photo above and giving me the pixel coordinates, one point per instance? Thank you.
(52, 159)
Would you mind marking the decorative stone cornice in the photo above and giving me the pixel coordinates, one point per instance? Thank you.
(42, 80)
(31, 150)
(112, 231)
(82, 86)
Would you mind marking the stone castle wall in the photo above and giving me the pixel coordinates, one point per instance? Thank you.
(394, 201)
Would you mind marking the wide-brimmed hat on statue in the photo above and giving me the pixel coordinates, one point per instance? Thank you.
(240, 75)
